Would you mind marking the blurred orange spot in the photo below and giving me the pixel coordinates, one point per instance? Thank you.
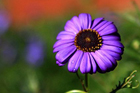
(23, 11)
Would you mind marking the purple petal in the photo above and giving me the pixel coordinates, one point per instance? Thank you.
(76, 22)
(70, 26)
(111, 37)
(85, 20)
(105, 25)
(94, 66)
(62, 47)
(85, 66)
(113, 43)
(65, 35)
(75, 61)
(111, 58)
(104, 59)
(65, 53)
(99, 62)
(59, 64)
(112, 48)
(111, 26)
(60, 42)
(115, 55)
(100, 25)
(89, 20)
(108, 30)
(96, 21)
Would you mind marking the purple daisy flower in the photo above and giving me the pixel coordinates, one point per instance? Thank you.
(91, 45)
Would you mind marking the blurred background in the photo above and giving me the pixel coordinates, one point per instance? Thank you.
(28, 30)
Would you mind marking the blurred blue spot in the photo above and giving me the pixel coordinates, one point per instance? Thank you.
(4, 21)
(35, 51)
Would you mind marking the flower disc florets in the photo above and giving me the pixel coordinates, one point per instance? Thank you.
(88, 40)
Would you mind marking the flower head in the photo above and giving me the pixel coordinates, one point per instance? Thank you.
(92, 45)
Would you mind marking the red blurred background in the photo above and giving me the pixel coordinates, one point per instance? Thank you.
(23, 11)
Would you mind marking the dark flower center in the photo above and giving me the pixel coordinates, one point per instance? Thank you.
(88, 40)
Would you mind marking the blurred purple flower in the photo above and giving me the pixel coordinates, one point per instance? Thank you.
(4, 21)
(8, 53)
(35, 51)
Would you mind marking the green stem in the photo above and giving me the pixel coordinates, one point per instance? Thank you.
(86, 80)
(84, 87)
